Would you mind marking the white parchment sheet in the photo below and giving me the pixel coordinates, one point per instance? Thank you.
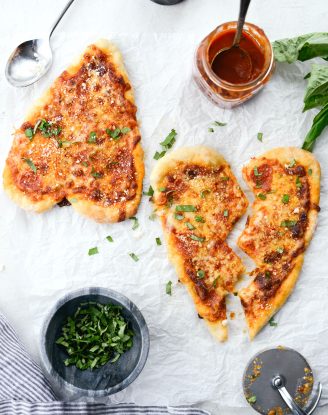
(45, 256)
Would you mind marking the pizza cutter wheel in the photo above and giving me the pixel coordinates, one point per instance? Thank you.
(280, 381)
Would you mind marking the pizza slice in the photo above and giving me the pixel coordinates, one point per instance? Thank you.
(286, 186)
(81, 143)
(199, 200)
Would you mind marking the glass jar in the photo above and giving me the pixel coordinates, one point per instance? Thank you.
(223, 93)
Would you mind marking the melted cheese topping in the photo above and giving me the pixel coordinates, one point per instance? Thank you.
(274, 235)
(216, 202)
(91, 100)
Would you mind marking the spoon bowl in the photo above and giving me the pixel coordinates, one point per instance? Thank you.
(239, 68)
(29, 62)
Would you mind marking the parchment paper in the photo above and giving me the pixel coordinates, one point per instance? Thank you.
(45, 256)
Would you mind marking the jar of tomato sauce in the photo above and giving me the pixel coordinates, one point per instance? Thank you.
(216, 77)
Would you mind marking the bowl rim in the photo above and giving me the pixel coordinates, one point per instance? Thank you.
(124, 301)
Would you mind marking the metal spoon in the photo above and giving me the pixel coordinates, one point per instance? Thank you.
(32, 59)
(242, 71)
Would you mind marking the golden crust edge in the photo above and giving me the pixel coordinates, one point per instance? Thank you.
(307, 159)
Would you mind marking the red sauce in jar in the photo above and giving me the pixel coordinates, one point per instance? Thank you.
(235, 66)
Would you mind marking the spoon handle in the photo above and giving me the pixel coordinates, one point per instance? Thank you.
(241, 20)
(69, 3)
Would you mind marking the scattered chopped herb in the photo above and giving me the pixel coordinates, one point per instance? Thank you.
(203, 193)
(169, 140)
(225, 213)
(285, 199)
(92, 137)
(64, 143)
(125, 130)
(158, 155)
(162, 189)
(215, 282)
(267, 275)
(190, 226)
(252, 399)
(93, 251)
(48, 129)
(109, 238)
(256, 171)
(185, 208)
(29, 133)
(298, 182)
(168, 288)
(85, 163)
(197, 238)
(200, 274)
(280, 250)
(158, 241)
(225, 178)
(260, 136)
(95, 174)
(219, 124)
(235, 293)
(210, 130)
(134, 257)
(178, 217)
(135, 223)
(310, 172)
(272, 322)
(30, 163)
(150, 192)
(292, 163)
(199, 219)
(288, 223)
(261, 196)
(117, 132)
(94, 335)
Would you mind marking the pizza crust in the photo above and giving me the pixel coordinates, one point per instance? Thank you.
(83, 206)
(284, 155)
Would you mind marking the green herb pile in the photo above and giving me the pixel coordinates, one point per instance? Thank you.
(95, 335)
(302, 48)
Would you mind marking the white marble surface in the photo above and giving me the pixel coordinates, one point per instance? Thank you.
(21, 19)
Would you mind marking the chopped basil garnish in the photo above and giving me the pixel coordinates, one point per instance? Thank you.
(203, 193)
(292, 163)
(93, 251)
(267, 275)
(280, 250)
(169, 140)
(109, 238)
(235, 293)
(260, 136)
(200, 274)
(158, 241)
(94, 335)
(288, 223)
(31, 165)
(178, 217)
(215, 282)
(185, 208)
(135, 223)
(225, 178)
(134, 256)
(298, 182)
(285, 199)
(199, 219)
(261, 196)
(310, 172)
(162, 189)
(219, 124)
(210, 130)
(125, 130)
(252, 399)
(256, 171)
(272, 322)
(150, 192)
(92, 137)
(197, 238)
(117, 132)
(168, 288)
(85, 163)
(190, 226)
(95, 174)
(226, 213)
(29, 133)
(159, 155)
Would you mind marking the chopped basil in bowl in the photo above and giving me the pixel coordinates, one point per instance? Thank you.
(94, 343)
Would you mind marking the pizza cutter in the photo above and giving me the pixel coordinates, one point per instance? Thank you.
(280, 381)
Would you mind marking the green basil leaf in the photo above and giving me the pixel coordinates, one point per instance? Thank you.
(135, 223)
(109, 238)
(169, 140)
(168, 288)
(316, 94)
(320, 121)
(93, 251)
(185, 208)
(158, 241)
(30, 163)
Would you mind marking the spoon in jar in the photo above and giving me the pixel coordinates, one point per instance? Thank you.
(31, 59)
(234, 63)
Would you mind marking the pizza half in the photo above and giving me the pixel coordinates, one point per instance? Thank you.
(286, 186)
(199, 200)
(81, 143)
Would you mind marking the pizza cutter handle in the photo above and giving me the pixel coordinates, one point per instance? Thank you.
(279, 384)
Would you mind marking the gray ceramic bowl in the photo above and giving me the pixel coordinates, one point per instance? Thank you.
(108, 379)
